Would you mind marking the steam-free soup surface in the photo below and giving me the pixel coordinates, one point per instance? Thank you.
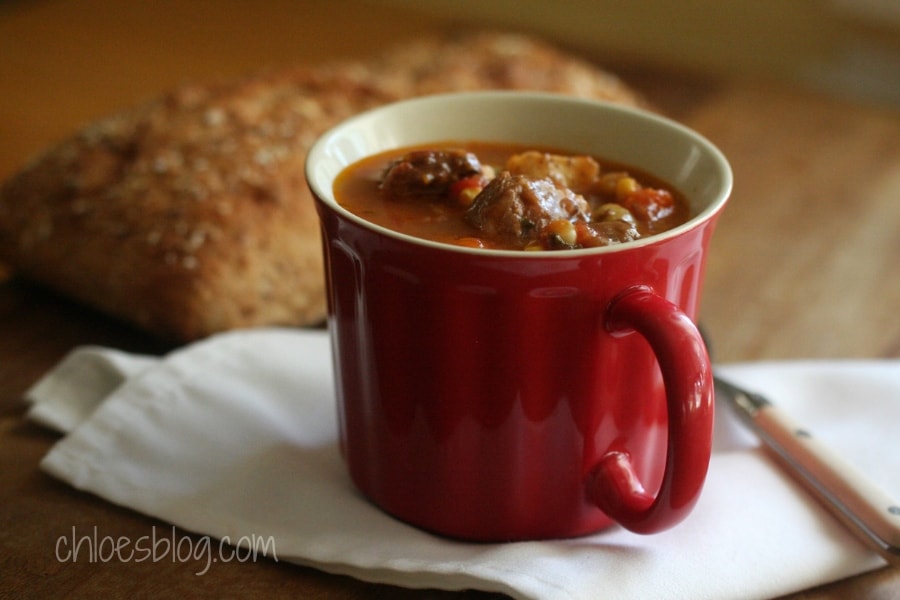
(506, 196)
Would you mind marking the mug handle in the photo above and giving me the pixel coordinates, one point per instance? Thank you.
(613, 485)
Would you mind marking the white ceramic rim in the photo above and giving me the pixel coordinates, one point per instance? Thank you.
(694, 165)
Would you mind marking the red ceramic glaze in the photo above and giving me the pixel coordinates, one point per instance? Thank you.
(507, 396)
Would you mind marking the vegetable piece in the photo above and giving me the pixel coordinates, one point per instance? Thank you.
(611, 211)
(650, 204)
(560, 233)
(577, 173)
(625, 186)
(464, 191)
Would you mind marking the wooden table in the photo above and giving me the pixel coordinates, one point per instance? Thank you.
(805, 263)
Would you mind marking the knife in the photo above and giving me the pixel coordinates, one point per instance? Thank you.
(858, 503)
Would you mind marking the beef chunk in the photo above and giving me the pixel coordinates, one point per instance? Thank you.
(429, 172)
(516, 207)
(607, 233)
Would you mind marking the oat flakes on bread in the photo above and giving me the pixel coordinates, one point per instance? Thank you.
(190, 214)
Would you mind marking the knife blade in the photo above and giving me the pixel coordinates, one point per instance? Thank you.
(862, 506)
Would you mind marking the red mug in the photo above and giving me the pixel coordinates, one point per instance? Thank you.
(498, 395)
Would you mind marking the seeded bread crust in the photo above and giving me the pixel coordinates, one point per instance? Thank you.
(190, 215)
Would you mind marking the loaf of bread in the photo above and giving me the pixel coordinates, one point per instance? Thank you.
(190, 214)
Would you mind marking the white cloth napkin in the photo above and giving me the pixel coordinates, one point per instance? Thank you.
(235, 437)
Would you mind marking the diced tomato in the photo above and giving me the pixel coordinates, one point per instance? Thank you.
(650, 204)
(465, 190)
(585, 236)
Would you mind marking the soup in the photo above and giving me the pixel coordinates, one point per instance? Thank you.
(508, 197)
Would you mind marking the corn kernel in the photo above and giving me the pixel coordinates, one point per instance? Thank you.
(563, 230)
(626, 186)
